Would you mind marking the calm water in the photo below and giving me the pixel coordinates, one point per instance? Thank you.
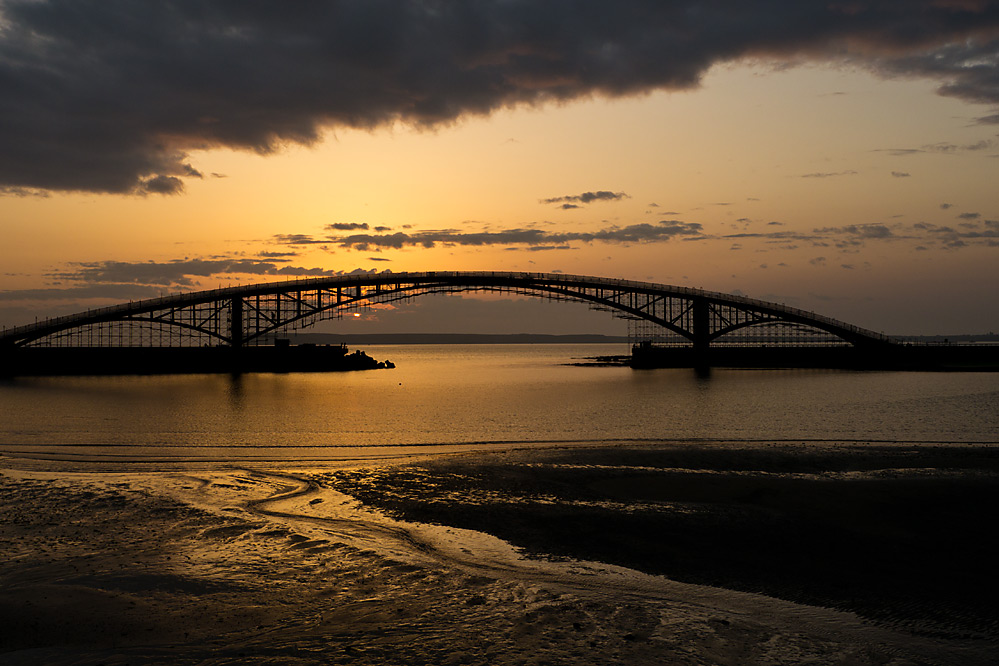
(485, 393)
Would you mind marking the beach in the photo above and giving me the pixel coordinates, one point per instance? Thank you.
(399, 562)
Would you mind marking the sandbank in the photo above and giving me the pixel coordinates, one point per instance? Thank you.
(396, 560)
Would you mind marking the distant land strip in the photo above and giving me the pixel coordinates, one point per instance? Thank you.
(355, 339)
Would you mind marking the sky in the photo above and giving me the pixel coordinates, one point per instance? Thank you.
(841, 157)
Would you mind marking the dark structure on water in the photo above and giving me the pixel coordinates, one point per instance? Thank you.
(239, 328)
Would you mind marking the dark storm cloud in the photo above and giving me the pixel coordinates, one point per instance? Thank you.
(968, 67)
(570, 200)
(112, 95)
(635, 233)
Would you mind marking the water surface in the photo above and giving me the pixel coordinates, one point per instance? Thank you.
(442, 394)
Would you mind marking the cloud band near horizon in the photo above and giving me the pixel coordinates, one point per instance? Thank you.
(113, 95)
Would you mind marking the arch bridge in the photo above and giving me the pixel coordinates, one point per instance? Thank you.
(252, 315)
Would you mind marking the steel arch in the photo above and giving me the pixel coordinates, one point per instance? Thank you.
(246, 314)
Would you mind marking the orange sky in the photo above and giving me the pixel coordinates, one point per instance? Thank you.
(866, 198)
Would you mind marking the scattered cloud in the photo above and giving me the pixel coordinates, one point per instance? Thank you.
(570, 200)
(115, 292)
(299, 239)
(665, 230)
(277, 256)
(113, 96)
(347, 226)
(943, 148)
(900, 174)
(180, 273)
(832, 174)
(867, 231)
(969, 216)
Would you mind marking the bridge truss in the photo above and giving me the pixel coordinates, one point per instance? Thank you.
(257, 314)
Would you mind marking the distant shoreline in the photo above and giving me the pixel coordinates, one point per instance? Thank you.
(357, 339)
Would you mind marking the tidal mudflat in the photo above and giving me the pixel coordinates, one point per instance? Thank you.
(702, 553)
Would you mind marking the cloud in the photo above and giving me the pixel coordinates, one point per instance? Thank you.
(347, 226)
(161, 184)
(867, 231)
(176, 273)
(900, 174)
(117, 292)
(944, 148)
(829, 175)
(22, 192)
(113, 95)
(968, 67)
(586, 197)
(277, 256)
(969, 216)
(299, 239)
(663, 231)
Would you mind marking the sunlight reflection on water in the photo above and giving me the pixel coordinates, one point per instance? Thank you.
(486, 393)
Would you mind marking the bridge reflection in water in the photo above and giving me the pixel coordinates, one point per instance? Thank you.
(670, 325)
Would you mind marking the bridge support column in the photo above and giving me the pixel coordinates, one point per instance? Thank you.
(236, 323)
(701, 324)
(702, 334)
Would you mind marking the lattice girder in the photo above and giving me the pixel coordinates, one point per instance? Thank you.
(248, 314)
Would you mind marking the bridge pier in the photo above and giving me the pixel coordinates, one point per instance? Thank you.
(701, 332)
(236, 323)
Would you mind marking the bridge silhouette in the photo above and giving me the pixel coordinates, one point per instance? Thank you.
(669, 325)
(253, 314)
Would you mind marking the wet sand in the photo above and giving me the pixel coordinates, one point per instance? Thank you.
(707, 553)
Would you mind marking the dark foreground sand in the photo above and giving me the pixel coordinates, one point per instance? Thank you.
(768, 554)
